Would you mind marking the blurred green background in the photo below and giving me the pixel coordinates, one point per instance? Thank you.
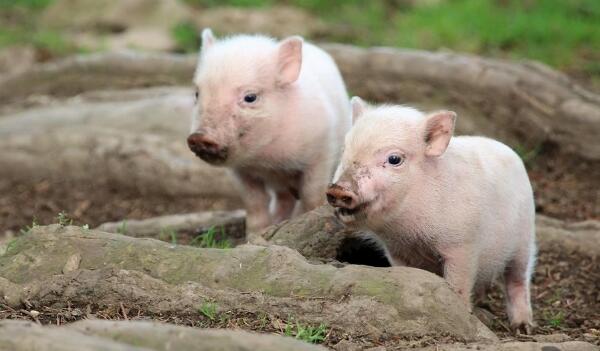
(564, 34)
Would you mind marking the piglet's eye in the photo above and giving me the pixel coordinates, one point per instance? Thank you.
(250, 98)
(395, 160)
(196, 94)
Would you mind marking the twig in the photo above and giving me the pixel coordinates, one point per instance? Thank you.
(124, 312)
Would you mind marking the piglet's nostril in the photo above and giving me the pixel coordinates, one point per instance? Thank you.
(210, 145)
(195, 139)
(340, 197)
(330, 199)
(200, 141)
(206, 148)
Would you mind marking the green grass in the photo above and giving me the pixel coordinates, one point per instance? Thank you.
(25, 4)
(50, 41)
(209, 310)
(63, 219)
(186, 36)
(122, 228)
(21, 28)
(528, 155)
(11, 244)
(27, 229)
(306, 333)
(237, 3)
(564, 34)
(556, 319)
(170, 234)
(552, 31)
(210, 240)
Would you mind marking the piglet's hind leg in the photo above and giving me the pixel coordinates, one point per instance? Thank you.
(516, 279)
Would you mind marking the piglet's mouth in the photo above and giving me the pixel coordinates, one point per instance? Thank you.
(214, 156)
(217, 159)
(348, 215)
(347, 211)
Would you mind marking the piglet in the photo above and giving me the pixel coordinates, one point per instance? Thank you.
(275, 113)
(461, 207)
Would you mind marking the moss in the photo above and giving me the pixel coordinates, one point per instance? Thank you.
(249, 274)
(22, 263)
(381, 289)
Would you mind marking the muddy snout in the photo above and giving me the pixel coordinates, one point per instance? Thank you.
(206, 148)
(341, 197)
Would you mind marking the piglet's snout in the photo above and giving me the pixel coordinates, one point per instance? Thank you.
(338, 196)
(206, 148)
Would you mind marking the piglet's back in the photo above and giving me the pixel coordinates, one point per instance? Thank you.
(320, 73)
(489, 156)
(495, 177)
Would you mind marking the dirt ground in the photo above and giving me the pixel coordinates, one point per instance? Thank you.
(566, 285)
(565, 296)
(91, 204)
(565, 187)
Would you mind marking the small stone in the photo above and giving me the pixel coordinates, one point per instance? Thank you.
(346, 345)
(72, 263)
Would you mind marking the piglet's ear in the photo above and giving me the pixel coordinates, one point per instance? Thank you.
(439, 128)
(208, 39)
(358, 108)
(289, 60)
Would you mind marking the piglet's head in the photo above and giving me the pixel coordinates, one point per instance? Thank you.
(244, 85)
(386, 157)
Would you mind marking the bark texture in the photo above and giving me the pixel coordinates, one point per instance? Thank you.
(56, 266)
(134, 139)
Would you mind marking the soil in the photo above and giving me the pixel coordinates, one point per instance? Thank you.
(90, 203)
(565, 295)
(565, 186)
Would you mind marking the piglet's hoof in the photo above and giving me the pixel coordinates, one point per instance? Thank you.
(523, 329)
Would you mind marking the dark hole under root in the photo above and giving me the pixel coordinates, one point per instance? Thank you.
(356, 250)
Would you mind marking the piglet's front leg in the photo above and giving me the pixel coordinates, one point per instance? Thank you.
(284, 206)
(314, 185)
(459, 271)
(256, 200)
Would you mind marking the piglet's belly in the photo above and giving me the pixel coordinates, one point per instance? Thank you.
(421, 257)
(278, 180)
